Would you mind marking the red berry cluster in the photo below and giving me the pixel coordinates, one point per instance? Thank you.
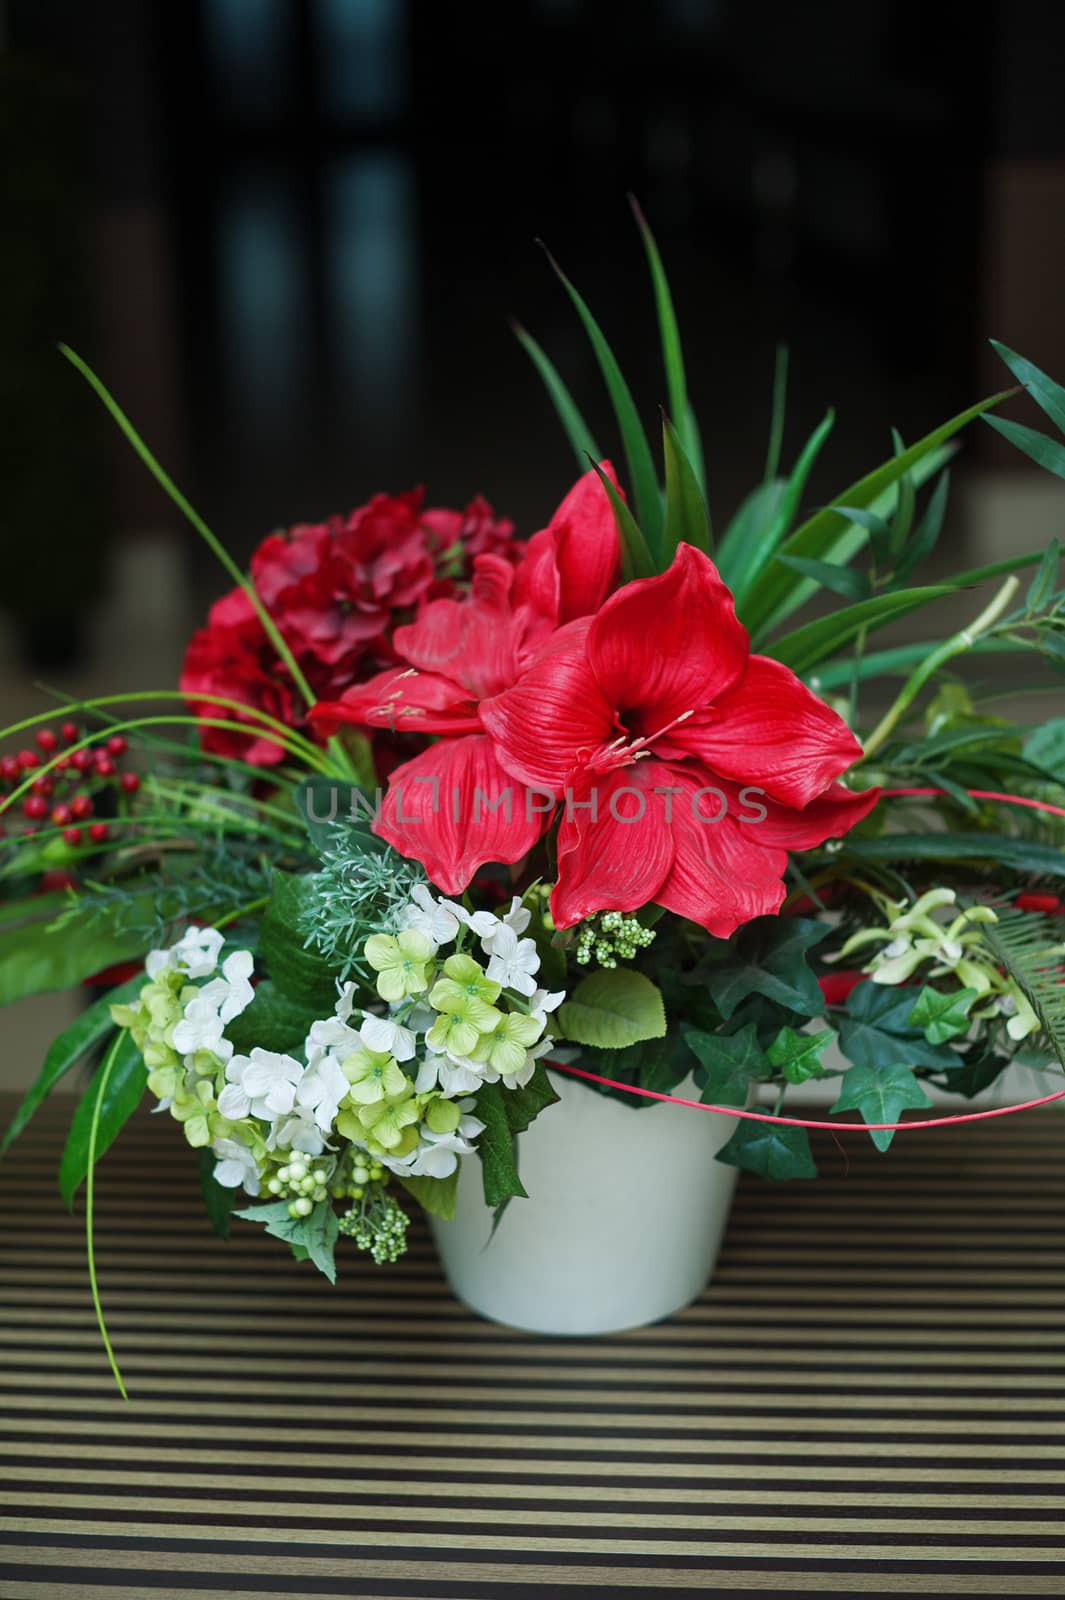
(60, 797)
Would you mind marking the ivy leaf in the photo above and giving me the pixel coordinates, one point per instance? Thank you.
(658, 1064)
(125, 1086)
(942, 1016)
(797, 1056)
(613, 1008)
(312, 1237)
(768, 957)
(876, 1032)
(972, 1074)
(272, 1020)
(217, 1199)
(776, 1153)
(728, 1064)
(880, 1093)
(300, 974)
(434, 1195)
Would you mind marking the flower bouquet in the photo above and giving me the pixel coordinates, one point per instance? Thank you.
(455, 856)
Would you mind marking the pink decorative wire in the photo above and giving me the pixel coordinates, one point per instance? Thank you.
(848, 1127)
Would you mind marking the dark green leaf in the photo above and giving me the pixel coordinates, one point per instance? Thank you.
(972, 1074)
(942, 1016)
(728, 1064)
(881, 1093)
(1045, 581)
(636, 558)
(998, 849)
(876, 1032)
(524, 1104)
(672, 354)
(574, 425)
(35, 958)
(754, 558)
(1045, 452)
(803, 648)
(641, 465)
(687, 520)
(434, 1195)
(768, 957)
(67, 1050)
(273, 1021)
(499, 1165)
(902, 521)
(326, 806)
(875, 526)
(926, 534)
(126, 1083)
(777, 1153)
(301, 975)
(776, 419)
(841, 580)
(1046, 747)
(797, 1056)
(217, 1199)
(1047, 394)
(752, 521)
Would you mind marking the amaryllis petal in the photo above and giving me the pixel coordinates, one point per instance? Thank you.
(586, 543)
(771, 730)
(613, 847)
(401, 700)
(829, 816)
(553, 717)
(722, 874)
(662, 647)
(454, 809)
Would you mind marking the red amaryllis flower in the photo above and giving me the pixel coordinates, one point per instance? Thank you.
(233, 659)
(689, 768)
(453, 807)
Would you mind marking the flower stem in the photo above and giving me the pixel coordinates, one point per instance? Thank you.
(954, 646)
(105, 1076)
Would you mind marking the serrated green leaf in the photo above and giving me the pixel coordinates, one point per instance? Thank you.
(217, 1199)
(1045, 452)
(775, 1153)
(687, 520)
(642, 474)
(942, 1016)
(125, 1088)
(434, 1195)
(768, 957)
(67, 1050)
(728, 1064)
(881, 1093)
(301, 975)
(613, 1008)
(797, 1056)
(313, 1238)
(495, 1146)
(574, 426)
(1047, 394)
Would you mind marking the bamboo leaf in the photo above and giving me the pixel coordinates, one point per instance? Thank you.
(576, 429)
(902, 521)
(641, 465)
(806, 646)
(1045, 581)
(1046, 453)
(926, 535)
(687, 519)
(841, 580)
(1047, 394)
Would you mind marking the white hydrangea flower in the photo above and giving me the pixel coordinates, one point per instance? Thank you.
(200, 1028)
(437, 1154)
(435, 919)
(346, 1000)
(513, 962)
(388, 1037)
(300, 1131)
(332, 1036)
(517, 919)
(321, 1090)
(262, 1085)
(541, 1001)
(195, 954)
(452, 1077)
(235, 1167)
(232, 993)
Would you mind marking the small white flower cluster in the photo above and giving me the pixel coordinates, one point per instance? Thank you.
(385, 1087)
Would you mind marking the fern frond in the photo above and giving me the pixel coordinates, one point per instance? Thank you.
(1030, 949)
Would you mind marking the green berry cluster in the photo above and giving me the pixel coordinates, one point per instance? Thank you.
(611, 937)
(302, 1184)
(378, 1224)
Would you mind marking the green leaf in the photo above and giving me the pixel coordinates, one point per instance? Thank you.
(641, 465)
(999, 849)
(820, 536)
(434, 1195)
(313, 1238)
(495, 1146)
(876, 1032)
(613, 1008)
(687, 520)
(841, 580)
(875, 526)
(972, 1074)
(672, 355)
(768, 957)
(804, 647)
(752, 520)
(942, 1016)
(776, 1153)
(925, 536)
(301, 975)
(902, 521)
(125, 1087)
(573, 424)
(636, 558)
(1045, 581)
(1046, 747)
(656, 1064)
(35, 958)
(326, 806)
(1045, 452)
(1047, 394)
(273, 1021)
(728, 1064)
(797, 1056)
(776, 415)
(67, 1050)
(523, 1105)
(881, 1094)
(217, 1199)
(755, 558)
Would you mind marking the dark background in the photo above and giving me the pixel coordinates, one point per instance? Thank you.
(290, 234)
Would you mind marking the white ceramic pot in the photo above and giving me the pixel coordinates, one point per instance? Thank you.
(622, 1226)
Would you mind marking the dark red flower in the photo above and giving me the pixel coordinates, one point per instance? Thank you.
(233, 659)
(457, 537)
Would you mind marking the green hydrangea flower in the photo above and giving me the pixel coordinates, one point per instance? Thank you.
(505, 1049)
(390, 1128)
(463, 979)
(399, 962)
(374, 1076)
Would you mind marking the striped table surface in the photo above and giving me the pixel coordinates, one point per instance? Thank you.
(869, 1399)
